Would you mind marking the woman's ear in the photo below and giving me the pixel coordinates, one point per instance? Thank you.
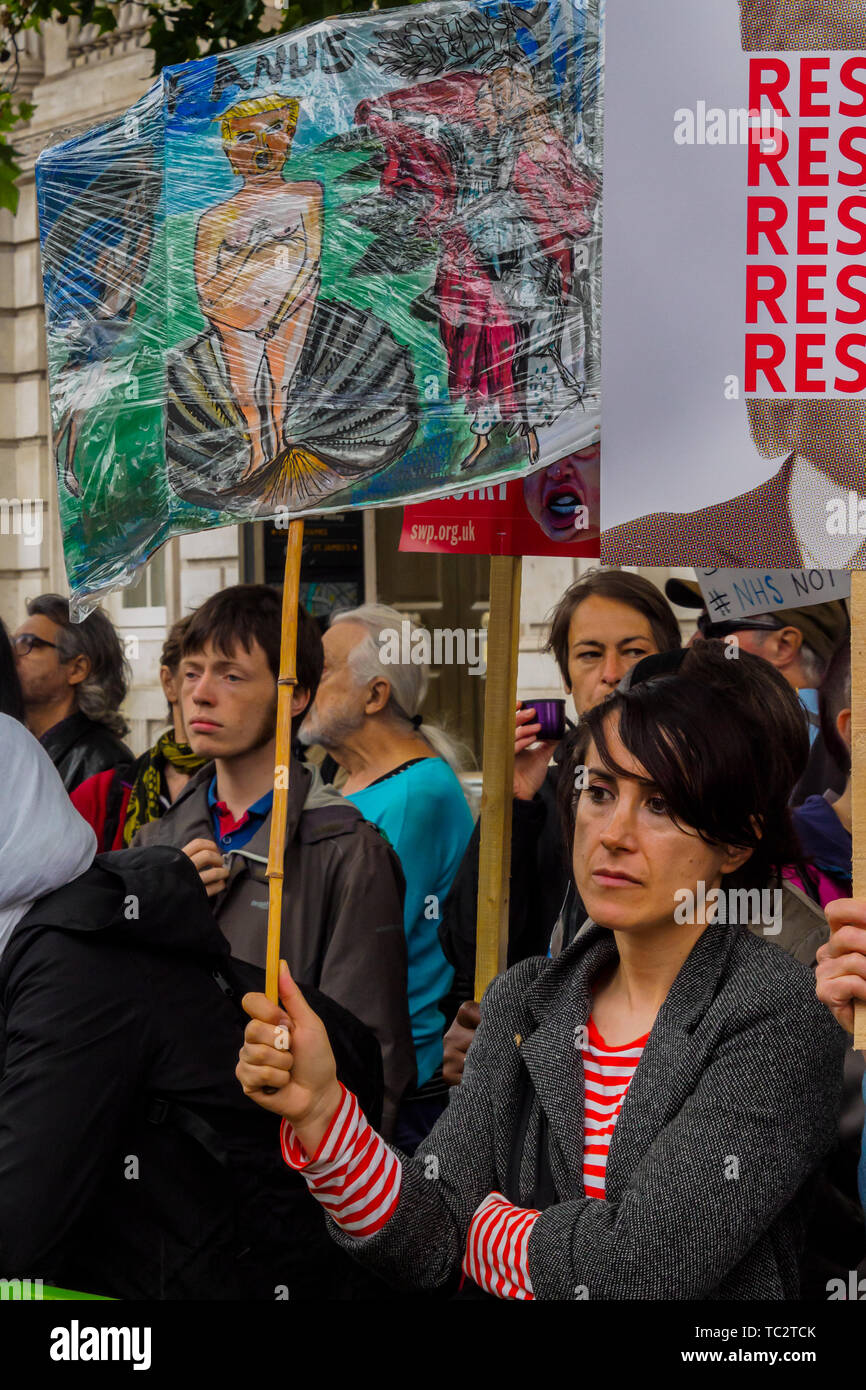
(735, 858)
(735, 855)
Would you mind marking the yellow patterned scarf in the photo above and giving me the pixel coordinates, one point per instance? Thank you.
(145, 803)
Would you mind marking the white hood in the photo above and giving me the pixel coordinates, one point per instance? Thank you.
(44, 842)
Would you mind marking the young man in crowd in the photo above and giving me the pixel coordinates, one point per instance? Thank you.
(342, 916)
(74, 680)
(401, 776)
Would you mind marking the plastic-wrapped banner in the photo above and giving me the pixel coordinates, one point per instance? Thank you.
(353, 265)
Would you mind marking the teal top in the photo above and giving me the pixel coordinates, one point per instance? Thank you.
(421, 808)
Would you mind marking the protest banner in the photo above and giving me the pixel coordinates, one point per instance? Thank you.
(552, 511)
(752, 163)
(736, 437)
(858, 764)
(343, 267)
(745, 593)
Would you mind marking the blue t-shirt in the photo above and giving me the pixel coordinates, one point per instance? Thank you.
(809, 700)
(422, 810)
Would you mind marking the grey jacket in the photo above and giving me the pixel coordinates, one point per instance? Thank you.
(342, 927)
(733, 1104)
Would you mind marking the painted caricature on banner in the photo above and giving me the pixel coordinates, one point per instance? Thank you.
(349, 266)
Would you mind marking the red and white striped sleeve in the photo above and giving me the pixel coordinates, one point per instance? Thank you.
(353, 1174)
(497, 1248)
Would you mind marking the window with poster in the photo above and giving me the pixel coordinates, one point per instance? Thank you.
(332, 565)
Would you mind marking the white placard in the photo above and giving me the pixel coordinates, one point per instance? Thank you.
(750, 593)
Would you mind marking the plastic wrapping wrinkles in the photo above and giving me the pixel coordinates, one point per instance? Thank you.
(354, 265)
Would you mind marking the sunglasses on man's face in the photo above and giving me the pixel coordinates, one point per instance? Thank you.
(728, 627)
(26, 641)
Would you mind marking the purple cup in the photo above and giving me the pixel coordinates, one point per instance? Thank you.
(550, 714)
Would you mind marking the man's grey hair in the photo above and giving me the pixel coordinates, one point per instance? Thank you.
(408, 680)
(104, 689)
(814, 666)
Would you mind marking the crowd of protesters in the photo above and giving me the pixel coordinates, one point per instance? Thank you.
(656, 1100)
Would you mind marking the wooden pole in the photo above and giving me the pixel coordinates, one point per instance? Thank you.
(858, 761)
(500, 698)
(283, 754)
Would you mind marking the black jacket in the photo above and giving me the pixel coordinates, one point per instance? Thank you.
(131, 1162)
(79, 748)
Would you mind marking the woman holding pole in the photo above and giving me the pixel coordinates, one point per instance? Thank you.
(640, 1117)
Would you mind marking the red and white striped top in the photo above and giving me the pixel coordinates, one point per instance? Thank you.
(607, 1073)
(497, 1247)
(353, 1173)
(357, 1177)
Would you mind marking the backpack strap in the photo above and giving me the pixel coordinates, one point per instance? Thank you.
(160, 1111)
(178, 1117)
(543, 1192)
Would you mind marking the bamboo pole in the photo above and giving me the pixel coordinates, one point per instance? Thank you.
(286, 683)
(500, 698)
(858, 762)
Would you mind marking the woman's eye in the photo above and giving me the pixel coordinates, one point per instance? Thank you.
(658, 805)
(588, 656)
(597, 793)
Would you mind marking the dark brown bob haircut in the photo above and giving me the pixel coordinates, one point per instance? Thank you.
(725, 742)
(247, 613)
(631, 589)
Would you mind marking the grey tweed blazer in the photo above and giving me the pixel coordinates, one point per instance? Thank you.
(733, 1105)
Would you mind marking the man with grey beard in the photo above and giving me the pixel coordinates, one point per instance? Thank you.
(401, 776)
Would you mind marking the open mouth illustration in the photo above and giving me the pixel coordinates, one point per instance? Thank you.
(561, 504)
(263, 160)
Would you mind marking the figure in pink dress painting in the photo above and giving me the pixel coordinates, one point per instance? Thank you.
(498, 191)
